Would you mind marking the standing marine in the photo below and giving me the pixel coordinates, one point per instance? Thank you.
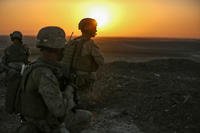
(17, 53)
(13, 61)
(82, 57)
(41, 99)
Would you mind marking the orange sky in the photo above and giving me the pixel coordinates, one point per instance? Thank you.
(132, 18)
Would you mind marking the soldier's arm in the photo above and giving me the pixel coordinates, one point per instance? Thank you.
(4, 57)
(50, 92)
(97, 55)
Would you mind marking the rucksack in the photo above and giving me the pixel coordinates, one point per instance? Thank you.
(62, 77)
(14, 81)
(73, 59)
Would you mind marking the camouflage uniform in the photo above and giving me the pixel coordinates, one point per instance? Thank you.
(75, 119)
(41, 100)
(82, 57)
(15, 57)
(85, 77)
(16, 54)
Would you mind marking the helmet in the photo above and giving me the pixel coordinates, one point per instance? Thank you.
(51, 37)
(85, 22)
(16, 35)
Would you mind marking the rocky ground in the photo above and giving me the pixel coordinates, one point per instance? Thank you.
(160, 96)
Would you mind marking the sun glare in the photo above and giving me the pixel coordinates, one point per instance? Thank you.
(107, 15)
(101, 14)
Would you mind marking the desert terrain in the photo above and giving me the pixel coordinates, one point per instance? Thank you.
(147, 85)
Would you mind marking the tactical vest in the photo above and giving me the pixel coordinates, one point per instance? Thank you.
(16, 53)
(74, 60)
(29, 102)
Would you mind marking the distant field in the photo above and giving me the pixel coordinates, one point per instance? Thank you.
(133, 49)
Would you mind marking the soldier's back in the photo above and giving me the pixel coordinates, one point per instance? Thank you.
(16, 53)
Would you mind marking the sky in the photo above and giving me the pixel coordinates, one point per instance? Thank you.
(124, 18)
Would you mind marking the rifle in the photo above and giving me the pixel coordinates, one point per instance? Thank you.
(70, 38)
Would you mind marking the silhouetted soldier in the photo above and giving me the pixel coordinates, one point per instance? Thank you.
(82, 57)
(13, 61)
(17, 53)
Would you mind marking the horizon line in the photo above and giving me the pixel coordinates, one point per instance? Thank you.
(134, 37)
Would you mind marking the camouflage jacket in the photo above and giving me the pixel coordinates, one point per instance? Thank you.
(41, 91)
(16, 53)
(80, 53)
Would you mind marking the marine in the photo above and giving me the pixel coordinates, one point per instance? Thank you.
(42, 98)
(17, 53)
(82, 57)
(13, 61)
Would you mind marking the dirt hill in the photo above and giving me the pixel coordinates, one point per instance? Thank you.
(160, 96)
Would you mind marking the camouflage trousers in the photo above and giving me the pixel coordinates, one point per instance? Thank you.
(84, 89)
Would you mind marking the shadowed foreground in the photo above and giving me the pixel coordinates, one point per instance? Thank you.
(160, 96)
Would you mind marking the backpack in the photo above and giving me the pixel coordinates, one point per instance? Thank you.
(62, 78)
(14, 81)
(73, 59)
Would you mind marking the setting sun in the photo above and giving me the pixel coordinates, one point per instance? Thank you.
(107, 14)
(101, 14)
(128, 18)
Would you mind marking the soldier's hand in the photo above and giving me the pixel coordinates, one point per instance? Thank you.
(68, 94)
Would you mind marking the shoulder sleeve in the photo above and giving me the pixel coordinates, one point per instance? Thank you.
(96, 53)
(6, 51)
(48, 87)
